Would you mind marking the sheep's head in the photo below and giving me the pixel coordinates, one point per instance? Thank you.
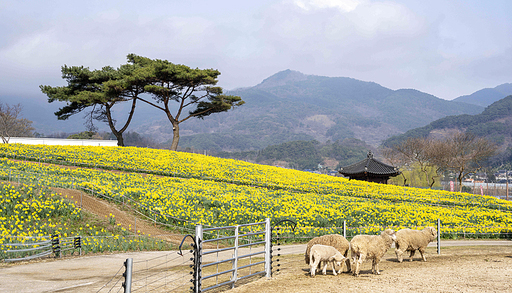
(433, 231)
(339, 258)
(391, 234)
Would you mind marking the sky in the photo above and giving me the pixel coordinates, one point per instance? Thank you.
(447, 48)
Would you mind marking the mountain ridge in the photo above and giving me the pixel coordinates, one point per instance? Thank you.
(286, 106)
(290, 104)
(493, 124)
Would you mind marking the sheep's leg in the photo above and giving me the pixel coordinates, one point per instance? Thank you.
(422, 252)
(358, 264)
(324, 270)
(412, 254)
(333, 268)
(347, 263)
(375, 266)
(353, 260)
(313, 266)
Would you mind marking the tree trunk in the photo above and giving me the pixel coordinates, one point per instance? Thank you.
(433, 181)
(175, 136)
(460, 181)
(120, 139)
(118, 135)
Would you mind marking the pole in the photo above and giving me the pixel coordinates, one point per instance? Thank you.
(235, 259)
(345, 228)
(198, 259)
(438, 236)
(506, 172)
(128, 275)
(268, 248)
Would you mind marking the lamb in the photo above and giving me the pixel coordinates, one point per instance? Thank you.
(335, 240)
(327, 254)
(412, 240)
(370, 246)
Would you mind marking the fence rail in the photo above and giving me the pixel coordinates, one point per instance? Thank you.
(53, 245)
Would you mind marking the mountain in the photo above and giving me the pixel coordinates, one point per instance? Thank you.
(287, 106)
(487, 96)
(293, 106)
(493, 123)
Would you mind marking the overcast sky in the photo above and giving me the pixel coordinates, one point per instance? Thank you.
(447, 48)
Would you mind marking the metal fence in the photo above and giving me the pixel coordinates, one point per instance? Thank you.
(167, 273)
(219, 259)
(257, 238)
(26, 248)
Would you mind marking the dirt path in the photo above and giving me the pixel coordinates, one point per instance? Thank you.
(125, 218)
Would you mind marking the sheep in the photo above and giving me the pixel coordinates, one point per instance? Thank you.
(327, 254)
(335, 240)
(412, 240)
(370, 246)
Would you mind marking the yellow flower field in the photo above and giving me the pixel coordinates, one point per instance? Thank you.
(31, 213)
(184, 189)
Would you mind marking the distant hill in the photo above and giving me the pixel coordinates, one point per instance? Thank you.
(487, 96)
(493, 123)
(37, 109)
(290, 106)
(287, 106)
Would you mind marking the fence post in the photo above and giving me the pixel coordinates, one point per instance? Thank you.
(198, 258)
(235, 257)
(56, 245)
(438, 236)
(77, 243)
(268, 248)
(345, 228)
(127, 284)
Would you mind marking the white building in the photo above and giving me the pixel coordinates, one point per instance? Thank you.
(62, 141)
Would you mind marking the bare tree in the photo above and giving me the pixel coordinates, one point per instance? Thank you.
(11, 124)
(465, 152)
(395, 158)
(461, 152)
(416, 150)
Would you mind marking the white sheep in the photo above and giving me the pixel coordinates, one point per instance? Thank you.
(335, 240)
(412, 240)
(327, 254)
(370, 246)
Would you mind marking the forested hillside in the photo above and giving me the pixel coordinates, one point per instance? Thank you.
(493, 123)
(306, 154)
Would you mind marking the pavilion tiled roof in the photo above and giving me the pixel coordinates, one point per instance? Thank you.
(370, 166)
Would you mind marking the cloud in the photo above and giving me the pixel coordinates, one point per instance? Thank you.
(342, 5)
(431, 46)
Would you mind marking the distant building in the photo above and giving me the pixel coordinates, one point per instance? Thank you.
(62, 141)
(370, 170)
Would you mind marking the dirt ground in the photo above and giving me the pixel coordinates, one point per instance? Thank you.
(457, 269)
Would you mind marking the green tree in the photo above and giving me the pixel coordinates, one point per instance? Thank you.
(98, 90)
(83, 135)
(192, 89)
